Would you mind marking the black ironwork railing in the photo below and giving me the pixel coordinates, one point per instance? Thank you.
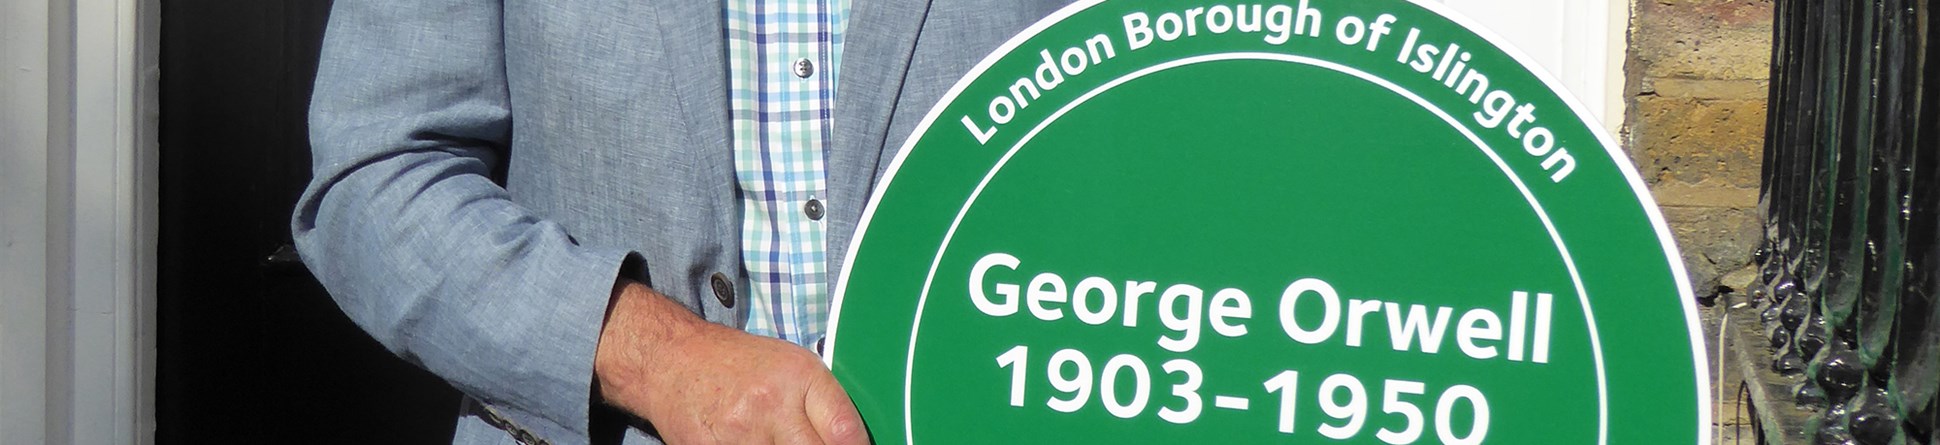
(1851, 205)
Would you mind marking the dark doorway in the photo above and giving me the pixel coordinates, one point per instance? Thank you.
(251, 348)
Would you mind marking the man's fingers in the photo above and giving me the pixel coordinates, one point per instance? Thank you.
(795, 430)
(832, 414)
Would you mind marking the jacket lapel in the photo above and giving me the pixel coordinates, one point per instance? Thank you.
(693, 34)
(880, 40)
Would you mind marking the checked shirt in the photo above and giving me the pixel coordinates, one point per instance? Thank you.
(782, 63)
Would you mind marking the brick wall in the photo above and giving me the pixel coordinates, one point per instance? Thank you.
(1696, 80)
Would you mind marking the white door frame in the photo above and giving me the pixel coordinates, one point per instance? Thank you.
(1598, 52)
(1612, 45)
(1581, 42)
(78, 152)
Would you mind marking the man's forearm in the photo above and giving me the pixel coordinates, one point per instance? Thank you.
(642, 326)
(703, 383)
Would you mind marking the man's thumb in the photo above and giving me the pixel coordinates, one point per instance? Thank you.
(833, 415)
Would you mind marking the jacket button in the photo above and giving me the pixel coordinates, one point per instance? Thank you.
(722, 290)
(813, 209)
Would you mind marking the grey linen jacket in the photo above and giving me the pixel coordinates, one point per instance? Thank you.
(485, 169)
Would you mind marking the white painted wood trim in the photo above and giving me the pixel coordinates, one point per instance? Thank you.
(1582, 43)
(1583, 51)
(1596, 55)
(1616, 49)
(115, 150)
(24, 74)
(77, 220)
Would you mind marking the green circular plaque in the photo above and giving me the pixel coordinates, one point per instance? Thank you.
(1305, 222)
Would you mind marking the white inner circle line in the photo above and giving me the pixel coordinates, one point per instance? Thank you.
(1596, 346)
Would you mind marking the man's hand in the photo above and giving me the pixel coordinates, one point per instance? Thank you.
(703, 383)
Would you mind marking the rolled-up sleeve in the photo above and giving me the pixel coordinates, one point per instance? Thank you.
(406, 228)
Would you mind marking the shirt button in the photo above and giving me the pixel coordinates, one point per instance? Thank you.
(722, 290)
(813, 209)
(804, 68)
